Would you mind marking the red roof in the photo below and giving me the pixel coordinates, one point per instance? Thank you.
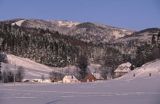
(89, 78)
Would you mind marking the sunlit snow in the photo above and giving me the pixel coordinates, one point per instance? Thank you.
(129, 89)
(19, 23)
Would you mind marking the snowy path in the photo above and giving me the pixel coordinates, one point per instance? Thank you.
(138, 91)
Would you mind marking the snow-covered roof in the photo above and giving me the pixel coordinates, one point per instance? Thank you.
(70, 77)
(125, 67)
(97, 75)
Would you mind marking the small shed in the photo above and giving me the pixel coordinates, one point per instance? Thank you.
(122, 69)
(70, 79)
(89, 78)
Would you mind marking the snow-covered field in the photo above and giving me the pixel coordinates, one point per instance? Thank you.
(142, 88)
(32, 69)
(137, 91)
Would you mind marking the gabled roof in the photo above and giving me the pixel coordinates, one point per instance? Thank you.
(70, 77)
(89, 78)
(125, 67)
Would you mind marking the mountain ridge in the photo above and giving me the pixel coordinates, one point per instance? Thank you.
(87, 31)
(38, 40)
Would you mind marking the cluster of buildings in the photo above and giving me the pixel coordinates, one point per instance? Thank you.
(68, 79)
(91, 77)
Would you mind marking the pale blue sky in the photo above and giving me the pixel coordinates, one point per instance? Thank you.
(131, 14)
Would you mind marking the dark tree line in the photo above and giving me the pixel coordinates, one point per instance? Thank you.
(43, 46)
(148, 52)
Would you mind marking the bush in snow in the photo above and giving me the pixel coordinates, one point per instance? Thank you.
(11, 76)
(7, 76)
(42, 77)
(19, 74)
(3, 57)
(54, 76)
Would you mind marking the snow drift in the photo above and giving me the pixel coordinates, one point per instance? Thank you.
(147, 70)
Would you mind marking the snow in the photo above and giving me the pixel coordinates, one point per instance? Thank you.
(32, 69)
(120, 34)
(152, 68)
(141, 89)
(64, 23)
(142, 37)
(125, 67)
(19, 23)
(67, 23)
(117, 34)
(137, 91)
(27, 63)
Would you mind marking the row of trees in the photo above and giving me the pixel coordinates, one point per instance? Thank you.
(148, 52)
(12, 75)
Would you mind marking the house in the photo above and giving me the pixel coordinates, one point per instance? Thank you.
(122, 69)
(98, 76)
(89, 78)
(70, 79)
